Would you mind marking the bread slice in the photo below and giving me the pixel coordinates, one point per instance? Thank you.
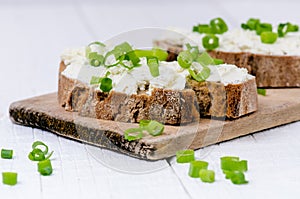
(269, 70)
(164, 105)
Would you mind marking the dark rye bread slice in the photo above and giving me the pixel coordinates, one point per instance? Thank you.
(166, 106)
(269, 70)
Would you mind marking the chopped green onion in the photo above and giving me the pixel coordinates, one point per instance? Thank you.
(205, 59)
(233, 164)
(36, 155)
(237, 177)
(207, 175)
(202, 28)
(210, 42)
(133, 134)
(263, 27)
(284, 28)
(262, 91)
(195, 167)
(161, 55)
(6, 153)
(144, 123)
(95, 80)
(122, 49)
(251, 24)
(153, 64)
(185, 156)
(154, 128)
(106, 84)
(194, 50)
(201, 76)
(218, 26)
(131, 56)
(218, 61)
(9, 178)
(45, 167)
(185, 59)
(268, 37)
(95, 59)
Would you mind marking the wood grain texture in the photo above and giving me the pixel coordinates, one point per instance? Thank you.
(44, 112)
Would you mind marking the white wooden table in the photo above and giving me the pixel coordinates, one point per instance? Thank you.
(33, 34)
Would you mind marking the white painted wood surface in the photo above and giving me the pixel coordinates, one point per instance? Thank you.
(34, 33)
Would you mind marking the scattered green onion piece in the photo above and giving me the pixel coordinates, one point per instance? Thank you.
(6, 153)
(122, 49)
(185, 59)
(109, 54)
(195, 167)
(49, 156)
(153, 65)
(144, 123)
(233, 164)
(95, 80)
(282, 29)
(135, 60)
(106, 84)
(245, 26)
(263, 27)
(252, 23)
(95, 59)
(9, 178)
(201, 76)
(218, 26)
(144, 53)
(268, 37)
(133, 134)
(45, 167)
(194, 50)
(218, 61)
(161, 55)
(207, 175)
(36, 155)
(185, 156)
(262, 91)
(202, 28)
(154, 128)
(292, 27)
(210, 42)
(238, 178)
(205, 59)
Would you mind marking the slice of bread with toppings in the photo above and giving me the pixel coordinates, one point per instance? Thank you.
(172, 97)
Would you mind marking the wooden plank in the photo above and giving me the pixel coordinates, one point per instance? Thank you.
(280, 106)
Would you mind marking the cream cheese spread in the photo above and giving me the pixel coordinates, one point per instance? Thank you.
(172, 76)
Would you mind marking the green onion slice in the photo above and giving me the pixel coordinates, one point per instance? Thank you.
(95, 80)
(144, 123)
(202, 28)
(7, 153)
(218, 26)
(45, 167)
(194, 50)
(268, 37)
(195, 167)
(36, 144)
(210, 42)
(251, 24)
(160, 54)
(185, 59)
(284, 28)
(233, 164)
(9, 178)
(262, 91)
(237, 177)
(153, 65)
(36, 155)
(106, 84)
(133, 134)
(185, 156)
(218, 61)
(205, 59)
(201, 76)
(154, 128)
(263, 27)
(95, 59)
(207, 175)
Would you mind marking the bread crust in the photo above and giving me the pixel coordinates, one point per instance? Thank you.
(269, 70)
(167, 106)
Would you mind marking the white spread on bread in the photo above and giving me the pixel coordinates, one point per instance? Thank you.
(172, 76)
(240, 40)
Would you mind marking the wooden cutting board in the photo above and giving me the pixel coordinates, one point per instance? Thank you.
(280, 106)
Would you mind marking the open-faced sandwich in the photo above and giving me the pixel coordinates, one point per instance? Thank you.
(272, 54)
(130, 85)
